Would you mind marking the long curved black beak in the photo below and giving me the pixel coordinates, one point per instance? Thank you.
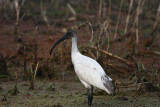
(66, 36)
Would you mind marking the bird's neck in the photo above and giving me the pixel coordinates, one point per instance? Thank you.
(75, 52)
(74, 45)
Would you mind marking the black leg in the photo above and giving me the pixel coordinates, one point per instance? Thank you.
(91, 98)
(89, 103)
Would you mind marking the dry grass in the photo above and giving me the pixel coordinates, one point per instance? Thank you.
(105, 30)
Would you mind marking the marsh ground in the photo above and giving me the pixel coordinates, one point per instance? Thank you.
(19, 54)
(72, 94)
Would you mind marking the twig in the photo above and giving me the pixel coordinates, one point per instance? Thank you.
(104, 9)
(71, 9)
(100, 9)
(133, 85)
(18, 18)
(14, 91)
(31, 78)
(91, 31)
(104, 27)
(140, 11)
(128, 16)
(156, 22)
(36, 29)
(109, 14)
(43, 13)
(135, 24)
(114, 56)
(25, 61)
(35, 71)
(35, 52)
(16, 78)
(87, 6)
(82, 25)
(115, 85)
(156, 52)
(115, 34)
(89, 51)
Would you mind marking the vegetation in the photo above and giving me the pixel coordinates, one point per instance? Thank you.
(122, 35)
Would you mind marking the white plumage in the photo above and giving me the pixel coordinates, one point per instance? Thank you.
(88, 70)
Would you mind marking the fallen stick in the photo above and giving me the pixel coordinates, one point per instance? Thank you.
(112, 55)
(133, 85)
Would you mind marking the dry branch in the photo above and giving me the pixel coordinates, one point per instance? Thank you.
(100, 9)
(156, 22)
(71, 9)
(115, 34)
(18, 18)
(35, 72)
(44, 16)
(133, 85)
(136, 21)
(87, 6)
(114, 56)
(25, 61)
(128, 16)
(14, 91)
(101, 37)
(109, 14)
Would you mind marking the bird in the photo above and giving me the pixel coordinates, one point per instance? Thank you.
(88, 70)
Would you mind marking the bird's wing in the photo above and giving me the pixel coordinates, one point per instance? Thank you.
(92, 73)
(92, 64)
(89, 70)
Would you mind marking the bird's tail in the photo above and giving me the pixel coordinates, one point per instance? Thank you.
(109, 87)
(107, 82)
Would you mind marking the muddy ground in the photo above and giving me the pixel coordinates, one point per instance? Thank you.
(72, 94)
(137, 82)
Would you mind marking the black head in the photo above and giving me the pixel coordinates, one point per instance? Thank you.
(68, 35)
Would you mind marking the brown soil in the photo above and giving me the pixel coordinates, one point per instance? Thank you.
(70, 92)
